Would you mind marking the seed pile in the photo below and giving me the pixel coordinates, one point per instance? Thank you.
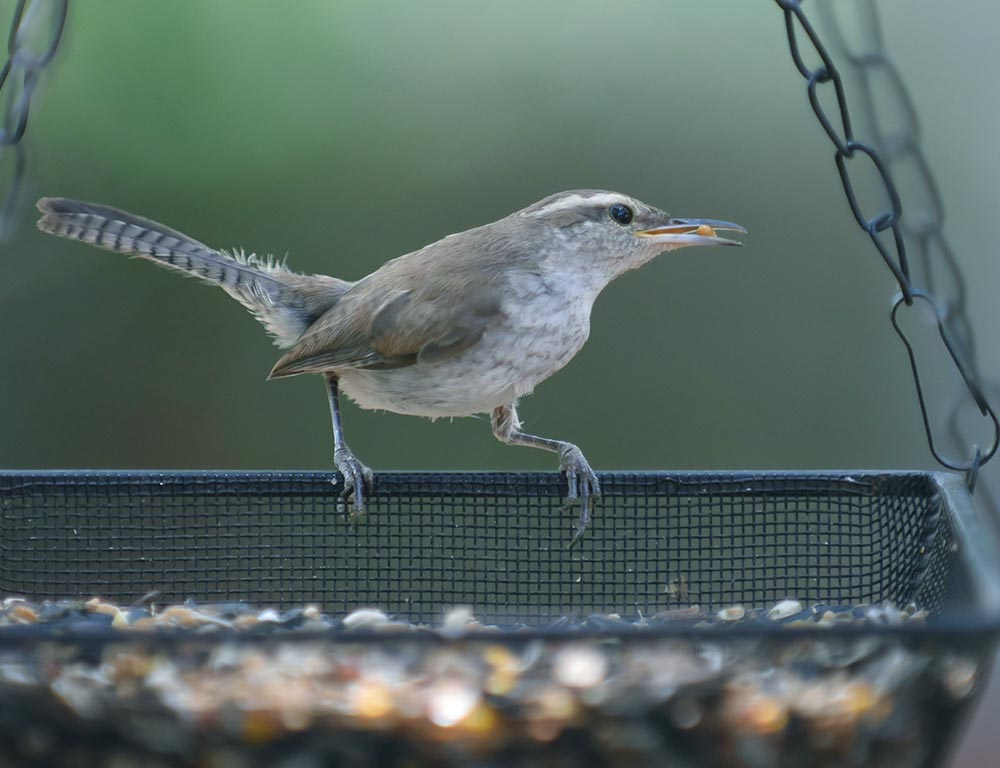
(86, 616)
(470, 696)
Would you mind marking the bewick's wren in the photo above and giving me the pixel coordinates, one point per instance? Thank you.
(463, 326)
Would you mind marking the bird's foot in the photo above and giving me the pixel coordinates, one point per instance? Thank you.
(358, 481)
(584, 487)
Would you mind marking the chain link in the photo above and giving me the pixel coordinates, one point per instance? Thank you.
(35, 31)
(888, 151)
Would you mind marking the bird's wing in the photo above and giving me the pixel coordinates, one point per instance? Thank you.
(379, 325)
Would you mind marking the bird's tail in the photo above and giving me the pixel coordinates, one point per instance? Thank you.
(284, 301)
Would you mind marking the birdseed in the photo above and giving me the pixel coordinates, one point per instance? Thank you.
(470, 698)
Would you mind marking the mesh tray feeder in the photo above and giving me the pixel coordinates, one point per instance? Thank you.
(706, 619)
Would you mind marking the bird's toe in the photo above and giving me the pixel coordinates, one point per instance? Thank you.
(584, 489)
(358, 483)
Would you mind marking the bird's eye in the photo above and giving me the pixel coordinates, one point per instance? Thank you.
(621, 213)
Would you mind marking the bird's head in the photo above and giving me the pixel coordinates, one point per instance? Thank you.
(613, 231)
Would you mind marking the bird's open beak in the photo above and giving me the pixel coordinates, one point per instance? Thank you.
(680, 233)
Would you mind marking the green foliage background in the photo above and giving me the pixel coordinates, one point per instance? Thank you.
(346, 133)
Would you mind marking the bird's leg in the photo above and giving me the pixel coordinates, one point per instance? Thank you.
(357, 477)
(584, 488)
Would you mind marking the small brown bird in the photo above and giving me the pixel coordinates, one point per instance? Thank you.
(463, 326)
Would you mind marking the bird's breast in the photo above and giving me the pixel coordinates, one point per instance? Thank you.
(541, 328)
(547, 325)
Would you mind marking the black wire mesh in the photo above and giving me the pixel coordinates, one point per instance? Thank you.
(494, 542)
(497, 543)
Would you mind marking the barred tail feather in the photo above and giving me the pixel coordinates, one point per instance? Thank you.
(280, 299)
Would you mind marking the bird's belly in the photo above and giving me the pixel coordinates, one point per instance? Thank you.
(504, 365)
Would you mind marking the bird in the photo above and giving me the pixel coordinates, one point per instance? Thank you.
(467, 325)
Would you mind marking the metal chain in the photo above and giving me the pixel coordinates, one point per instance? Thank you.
(35, 31)
(923, 226)
(886, 229)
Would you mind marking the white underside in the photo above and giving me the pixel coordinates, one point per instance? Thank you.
(447, 389)
(535, 340)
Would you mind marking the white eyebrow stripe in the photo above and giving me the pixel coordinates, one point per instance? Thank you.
(575, 200)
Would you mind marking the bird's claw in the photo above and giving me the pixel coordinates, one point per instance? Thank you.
(584, 487)
(358, 481)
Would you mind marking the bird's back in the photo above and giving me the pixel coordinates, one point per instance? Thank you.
(426, 306)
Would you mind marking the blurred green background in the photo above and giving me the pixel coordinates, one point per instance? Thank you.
(343, 134)
(347, 133)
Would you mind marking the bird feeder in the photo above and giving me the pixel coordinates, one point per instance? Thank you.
(724, 619)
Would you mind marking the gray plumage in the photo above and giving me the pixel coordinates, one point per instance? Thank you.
(462, 326)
